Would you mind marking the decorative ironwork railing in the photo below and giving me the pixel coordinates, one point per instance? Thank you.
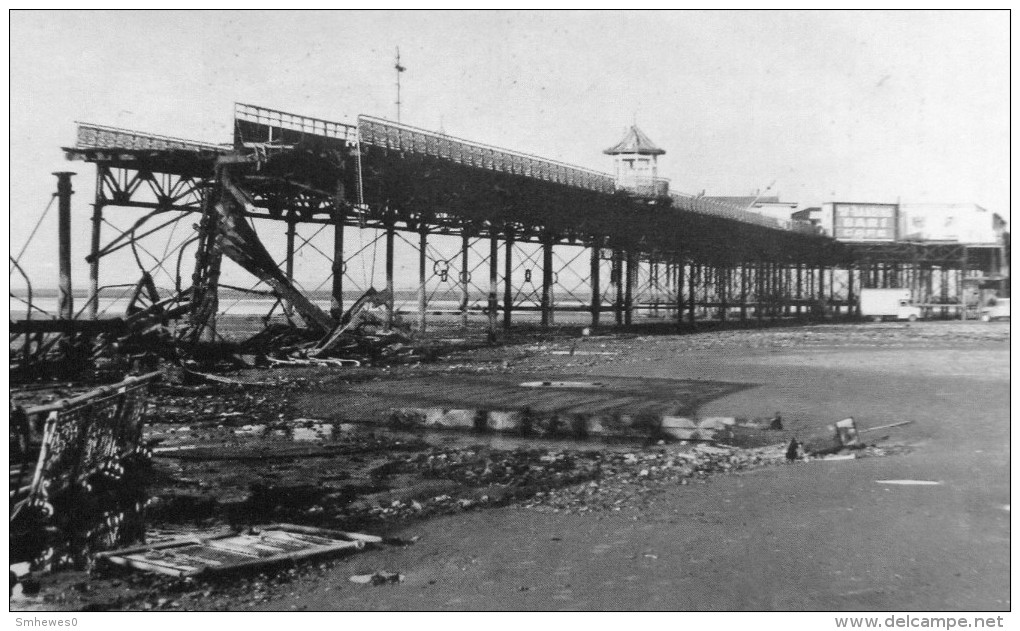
(92, 136)
(397, 136)
(387, 134)
(705, 206)
(295, 122)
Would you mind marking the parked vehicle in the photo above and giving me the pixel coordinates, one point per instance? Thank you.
(996, 309)
(879, 304)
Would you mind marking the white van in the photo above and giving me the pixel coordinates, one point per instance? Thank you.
(878, 304)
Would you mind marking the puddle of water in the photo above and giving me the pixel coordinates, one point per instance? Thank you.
(315, 432)
(631, 428)
(910, 482)
(160, 450)
(504, 430)
(250, 430)
(563, 384)
(509, 442)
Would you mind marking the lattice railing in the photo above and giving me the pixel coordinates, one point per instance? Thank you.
(295, 122)
(705, 206)
(387, 134)
(92, 136)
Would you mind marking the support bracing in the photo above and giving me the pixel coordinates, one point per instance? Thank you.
(390, 306)
(508, 271)
(800, 289)
(493, 302)
(629, 280)
(723, 292)
(289, 261)
(337, 291)
(759, 293)
(743, 292)
(547, 280)
(679, 290)
(465, 277)
(97, 225)
(65, 306)
(618, 282)
(422, 276)
(787, 290)
(961, 289)
(596, 284)
(692, 287)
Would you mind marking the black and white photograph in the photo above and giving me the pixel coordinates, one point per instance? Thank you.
(698, 312)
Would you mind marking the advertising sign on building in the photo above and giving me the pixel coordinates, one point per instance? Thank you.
(960, 223)
(864, 222)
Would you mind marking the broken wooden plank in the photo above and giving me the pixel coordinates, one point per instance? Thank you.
(889, 426)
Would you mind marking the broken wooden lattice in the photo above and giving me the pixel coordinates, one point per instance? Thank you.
(229, 552)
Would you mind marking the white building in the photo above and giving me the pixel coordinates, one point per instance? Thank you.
(959, 223)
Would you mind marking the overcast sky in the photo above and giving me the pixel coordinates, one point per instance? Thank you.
(850, 106)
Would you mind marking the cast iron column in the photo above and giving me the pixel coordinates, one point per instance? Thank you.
(289, 261)
(390, 298)
(65, 307)
(596, 290)
(508, 290)
(628, 299)
(547, 279)
(97, 224)
(465, 277)
(337, 302)
(493, 280)
(422, 260)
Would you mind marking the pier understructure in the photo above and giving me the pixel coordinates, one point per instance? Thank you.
(499, 237)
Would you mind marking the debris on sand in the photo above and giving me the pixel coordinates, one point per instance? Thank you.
(377, 578)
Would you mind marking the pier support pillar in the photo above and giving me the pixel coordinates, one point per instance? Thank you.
(65, 304)
(422, 276)
(97, 225)
(493, 281)
(547, 280)
(390, 299)
(596, 286)
(631, 260)
(465, 278)
(508, 289)
(337, 291)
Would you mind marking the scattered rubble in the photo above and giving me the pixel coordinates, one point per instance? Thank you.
(378, 578)
(317, 473)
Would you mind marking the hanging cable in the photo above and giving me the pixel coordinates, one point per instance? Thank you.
(17, 259)
(133, 243)
(28, 286)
